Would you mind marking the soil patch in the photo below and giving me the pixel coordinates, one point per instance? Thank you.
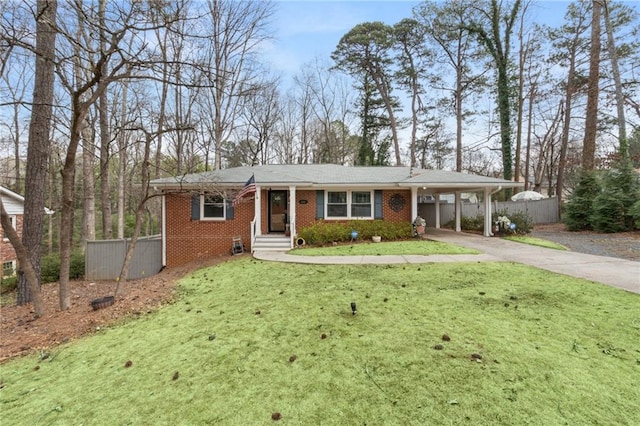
(21, 334)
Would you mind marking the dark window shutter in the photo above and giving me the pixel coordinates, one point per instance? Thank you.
(377, 204)
(319, 204)
(229, 210)
(195, 206)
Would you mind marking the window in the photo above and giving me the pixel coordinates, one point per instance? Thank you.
(12, 221)
(361, 204)
(337, 204)
(212, 207)
(8, 269)
(349, 204)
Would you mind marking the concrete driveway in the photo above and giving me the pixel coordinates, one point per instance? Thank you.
(620, 273)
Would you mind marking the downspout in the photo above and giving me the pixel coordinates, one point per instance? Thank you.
(164, 230)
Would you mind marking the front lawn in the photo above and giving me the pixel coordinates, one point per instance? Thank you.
(413, 247)
(247, 340)
(535, 241)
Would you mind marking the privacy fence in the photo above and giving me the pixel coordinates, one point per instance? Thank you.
(541, 212)
(104, 259)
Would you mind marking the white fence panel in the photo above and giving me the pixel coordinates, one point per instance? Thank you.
(541, 211)
(104, 259)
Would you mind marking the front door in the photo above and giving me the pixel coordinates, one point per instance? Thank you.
(277, 210)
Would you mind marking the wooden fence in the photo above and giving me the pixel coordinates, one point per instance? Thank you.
(541, 212)
(104, 259)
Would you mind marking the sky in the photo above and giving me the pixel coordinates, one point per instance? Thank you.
(306, 29)
(309, 29)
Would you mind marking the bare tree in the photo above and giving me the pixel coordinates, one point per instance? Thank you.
(121, 23)
(457, 50)
(568, 43)
(236, 31)
(615, 68)
(105, 137)
(261, 113)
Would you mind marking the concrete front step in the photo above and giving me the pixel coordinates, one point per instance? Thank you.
(271, 243)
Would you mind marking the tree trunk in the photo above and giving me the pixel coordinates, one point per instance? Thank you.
(144, 196)
(88, 151)
(39, 142)
(591, 119)
(78, 113)
(25, 263)
(88, 187)
(458, 100)
(103, 119)
(566, 127)
(613, 57)
(122, 161)
(527, 161)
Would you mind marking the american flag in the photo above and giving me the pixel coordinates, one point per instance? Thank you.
(249, 188)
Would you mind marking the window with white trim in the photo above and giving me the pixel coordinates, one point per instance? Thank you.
(12, 221)
(361, 204)
(8, 268)
(349, 205)
(212, 207)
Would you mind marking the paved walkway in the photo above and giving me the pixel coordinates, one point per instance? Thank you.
(620, 273)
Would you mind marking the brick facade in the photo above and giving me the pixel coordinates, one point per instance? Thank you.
(7, 252)
(188, 239)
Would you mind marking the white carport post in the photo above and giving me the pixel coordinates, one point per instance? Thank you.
(437, 197)
(458, 207)
(292, 211)
(487, 213)
(414, 203)
(257, 214)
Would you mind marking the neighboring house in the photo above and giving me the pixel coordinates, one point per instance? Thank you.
(14, 205)
(200, 219)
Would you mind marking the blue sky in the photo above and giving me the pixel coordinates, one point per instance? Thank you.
(306, 29)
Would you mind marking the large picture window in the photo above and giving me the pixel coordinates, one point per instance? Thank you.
(212, 207)
(349, 204)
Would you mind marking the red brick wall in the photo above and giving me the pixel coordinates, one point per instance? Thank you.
(7, 253)
(188, 240)
(305, 213)
(403, 215)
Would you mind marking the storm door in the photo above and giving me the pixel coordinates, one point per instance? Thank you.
(277, 210)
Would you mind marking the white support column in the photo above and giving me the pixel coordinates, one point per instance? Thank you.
(458, 208)
(292, 210)
(437, 197)
(488, 226)
(414, 203)
(257, 204)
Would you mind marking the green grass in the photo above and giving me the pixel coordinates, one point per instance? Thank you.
(555, 350)
(535, 241)
(413, 247)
